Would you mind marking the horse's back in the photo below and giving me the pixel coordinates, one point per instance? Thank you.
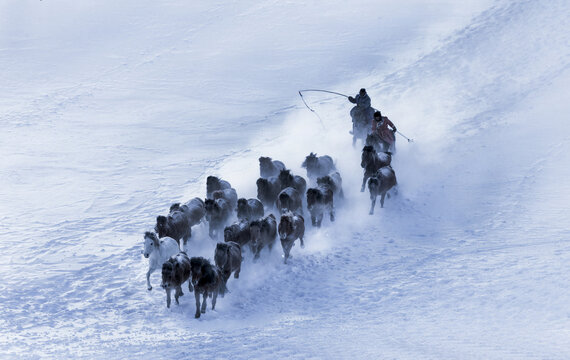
(170, 246)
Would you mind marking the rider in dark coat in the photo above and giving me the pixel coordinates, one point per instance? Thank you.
(361, 114)
(362, 100)
(380, 126)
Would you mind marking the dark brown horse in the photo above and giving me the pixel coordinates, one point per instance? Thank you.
(333, 181)
(291, 228)
(228, 259)
(318, 166)
(371, 161)
(267, 191)
(379, 184)
(289, 199)
(319, 200)
(263, 233)
(175, 271)
(238, 232)
(178, 224)
(249, 209)
(295, 181)
(214, 183)
(207, 279)
(268, 167)
(218, 214)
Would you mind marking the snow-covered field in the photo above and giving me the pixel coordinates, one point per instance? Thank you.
(111, 111)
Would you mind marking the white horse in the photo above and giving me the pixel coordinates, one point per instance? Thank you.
(157, 252)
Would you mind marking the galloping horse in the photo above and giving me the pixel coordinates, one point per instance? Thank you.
(379, 184)
(207, 279)
(291, 227)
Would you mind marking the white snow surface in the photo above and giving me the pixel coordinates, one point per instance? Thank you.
(113, 110)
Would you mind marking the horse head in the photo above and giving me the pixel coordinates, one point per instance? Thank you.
(221, 254)
(255, 230)
(161, 226)
(367, 155)
(212, 181)
(150, 243)
(286, 225)
(196, 264)
(310, 161)
(285, 177)
(168, 272)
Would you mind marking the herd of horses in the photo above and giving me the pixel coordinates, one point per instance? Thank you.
(253, 224)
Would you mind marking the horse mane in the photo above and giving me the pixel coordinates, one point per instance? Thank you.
(222, 246)
(368, 148)
(311, 156)
(258, 222)
(198, 260)
(150, 234)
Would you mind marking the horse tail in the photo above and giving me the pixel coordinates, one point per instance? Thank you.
(222, 288)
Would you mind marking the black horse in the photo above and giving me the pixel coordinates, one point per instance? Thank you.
(228, 258)
(207, 279)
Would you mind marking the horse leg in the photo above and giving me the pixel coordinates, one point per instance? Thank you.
(197, 297)
(236, 273)
(150, 271)
(373, 200)
(302, 242)
(190, 287)
(176, 295)
(214, 299)
(179, 291)
(167, 297)
(204, 301)
(331, 212)
(382, 199)
(286, 250)
(186, 238)
(363, 182)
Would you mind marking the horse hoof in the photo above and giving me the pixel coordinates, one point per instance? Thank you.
(149, 288)
(203, 311)
(197, 315)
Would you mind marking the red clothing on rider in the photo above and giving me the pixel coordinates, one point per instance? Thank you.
(381, 128)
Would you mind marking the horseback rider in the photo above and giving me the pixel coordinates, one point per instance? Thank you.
(361, 114)
(380, 127)
(362, 100)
